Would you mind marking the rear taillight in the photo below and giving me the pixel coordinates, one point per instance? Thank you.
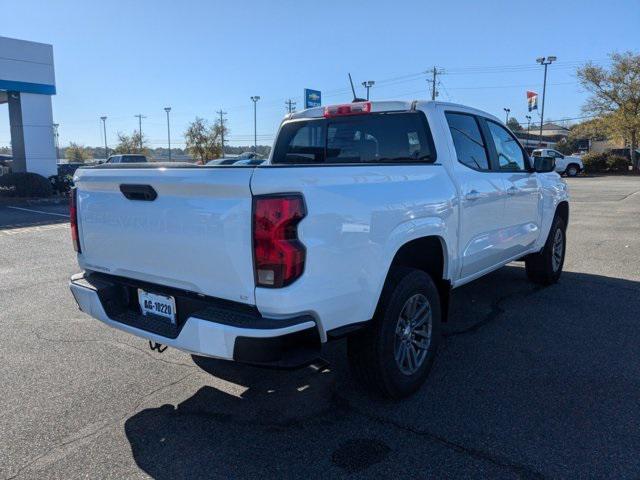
(73, 219)
(347, 109)
(278, 254)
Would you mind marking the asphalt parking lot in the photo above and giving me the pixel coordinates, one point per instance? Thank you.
(529, 383)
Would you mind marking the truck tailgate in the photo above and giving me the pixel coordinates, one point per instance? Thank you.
(195, 235)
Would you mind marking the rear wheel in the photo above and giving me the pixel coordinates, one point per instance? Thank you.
(393, 356)
(572, 170)
(545, 267)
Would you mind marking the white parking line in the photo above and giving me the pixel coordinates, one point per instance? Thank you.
(40, 211)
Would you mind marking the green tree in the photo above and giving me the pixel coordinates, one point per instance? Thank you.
(134, 143)
(77, 153)
(514, 125)
(203, 140)
(615, 97)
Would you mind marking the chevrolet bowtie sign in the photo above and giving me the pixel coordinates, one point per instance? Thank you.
(312, 98)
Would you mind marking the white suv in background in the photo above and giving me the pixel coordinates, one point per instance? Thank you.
(571, 165)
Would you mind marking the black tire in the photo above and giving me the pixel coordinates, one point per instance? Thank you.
(572, 170)
(541, 267)
(372, 351)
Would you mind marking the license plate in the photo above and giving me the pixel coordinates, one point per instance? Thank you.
(154, 304)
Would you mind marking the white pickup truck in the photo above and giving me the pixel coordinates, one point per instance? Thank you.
(570, 165)
(363, 219)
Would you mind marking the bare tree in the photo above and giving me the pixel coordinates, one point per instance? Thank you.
(615, 97)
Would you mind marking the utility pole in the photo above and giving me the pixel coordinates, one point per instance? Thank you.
(55, 136)
(546, 62)
(506, 110)
(255, 99)
(104, 129)
(222, 114)
(140, 117)
(434, 81)
(368, 84)
(528, 117)
(291, 105)
(167, 109)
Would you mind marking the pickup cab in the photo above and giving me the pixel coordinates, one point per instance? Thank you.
(570, 165)
(360, 223)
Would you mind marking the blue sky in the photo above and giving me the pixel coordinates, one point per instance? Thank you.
(119, 58)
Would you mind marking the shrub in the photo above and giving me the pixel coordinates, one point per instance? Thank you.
(618, 163)
(595, 162)
(24, 184)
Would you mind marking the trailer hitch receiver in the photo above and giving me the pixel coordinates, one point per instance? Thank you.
(158, 347)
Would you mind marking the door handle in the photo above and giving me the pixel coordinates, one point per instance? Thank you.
(512, 190)
(473, 195)
(138, 192)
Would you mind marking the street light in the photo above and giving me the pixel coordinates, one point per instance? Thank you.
(168, 109)
(104, 128)
(546, 62)
(368, 84)
(506, 110)
(255, 99)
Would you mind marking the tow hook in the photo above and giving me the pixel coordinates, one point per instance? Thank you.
(158, 347)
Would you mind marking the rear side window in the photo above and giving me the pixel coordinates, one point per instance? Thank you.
(372, 138)
(510, 156)
(467, 139)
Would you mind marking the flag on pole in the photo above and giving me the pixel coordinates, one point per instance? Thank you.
(532, 100)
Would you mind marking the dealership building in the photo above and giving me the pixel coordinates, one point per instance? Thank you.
(27, 82)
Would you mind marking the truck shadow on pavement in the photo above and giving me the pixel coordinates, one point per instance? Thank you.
(530, 382)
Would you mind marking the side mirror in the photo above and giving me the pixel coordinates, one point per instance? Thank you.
(544, 164)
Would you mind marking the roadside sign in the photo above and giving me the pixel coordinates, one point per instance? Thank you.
(312, 98)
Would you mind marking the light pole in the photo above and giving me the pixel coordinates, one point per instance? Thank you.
(368, 84)
(506, 110)
(546, 62)
(255, 99)
(168, 109)
(104, 129)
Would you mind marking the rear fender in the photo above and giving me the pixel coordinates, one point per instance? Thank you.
(407, 232)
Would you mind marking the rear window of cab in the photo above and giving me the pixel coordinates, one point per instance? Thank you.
(377, 138)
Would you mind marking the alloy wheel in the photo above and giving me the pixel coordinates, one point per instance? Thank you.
(413, 334)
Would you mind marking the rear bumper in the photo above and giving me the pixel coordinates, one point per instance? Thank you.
(212, 327)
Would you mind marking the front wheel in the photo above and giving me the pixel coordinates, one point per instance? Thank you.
(393, 355)
(545, 267)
